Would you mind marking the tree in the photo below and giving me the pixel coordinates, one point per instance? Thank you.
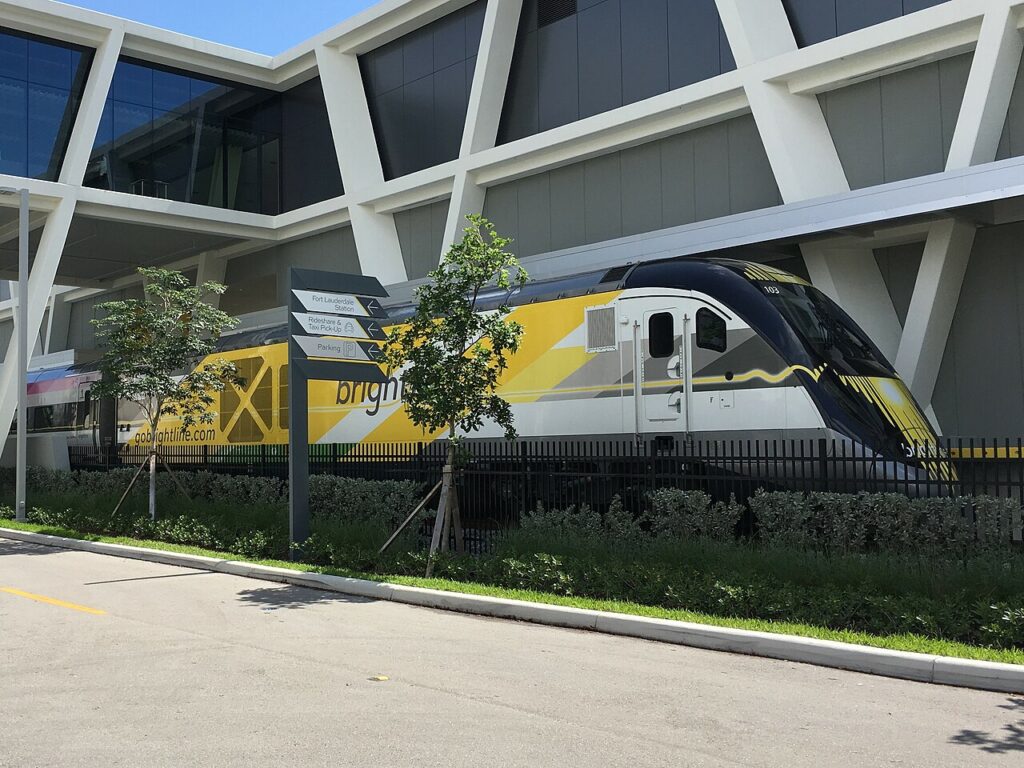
(453, 355)
(153, 348)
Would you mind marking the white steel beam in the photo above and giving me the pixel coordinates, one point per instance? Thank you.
(375, 234)
(933, 305)
(486, 99)
(805, 162)
(850, 276)
(40, 284)
(989, 87)
(94, 97)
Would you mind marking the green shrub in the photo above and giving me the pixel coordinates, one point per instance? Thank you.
(678, 514)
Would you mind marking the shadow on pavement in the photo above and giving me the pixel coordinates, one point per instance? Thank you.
(1009, 739)
(276, 598)
(12, 547)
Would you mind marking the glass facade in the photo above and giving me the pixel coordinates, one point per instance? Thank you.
(817, 20)
(573, 60)
(417, 89)
(41, 84)
(178, 136)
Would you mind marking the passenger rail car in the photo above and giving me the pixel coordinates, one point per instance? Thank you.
(708, 348)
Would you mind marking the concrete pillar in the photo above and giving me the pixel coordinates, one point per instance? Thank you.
(486, 99)
(94, 96)
(933, 305)
(989, 87)
(211, 268)
(851, 278)
(40, 284)
(377, 243)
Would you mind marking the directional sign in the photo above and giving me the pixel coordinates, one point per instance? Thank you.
(336, 325)
(340, 303)
(340, 349)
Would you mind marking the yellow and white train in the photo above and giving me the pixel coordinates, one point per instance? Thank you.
(708, 348)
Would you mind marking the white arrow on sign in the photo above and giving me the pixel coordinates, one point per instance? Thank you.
(333, 325)
(338, 349)
(340, 303)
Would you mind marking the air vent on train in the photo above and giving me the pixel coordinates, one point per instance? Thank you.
(550, 11)
(600, 329)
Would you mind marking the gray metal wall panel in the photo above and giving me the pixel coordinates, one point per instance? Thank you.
(812, 20)
(710, 172)
(600, 58)
(450, 102)
(953, 74)
(694, 43)
(854, 117)
(417, 90)
(644, 28)
(898, 126)
(911, 123)
(535, 216)
(568, 217)
(603, 198)
(751, 181)
(609, 53)
(420, 234)
(501, 207)
(899, 266)
(1012, 141)
(558, 74)
(678, 193)
(979, 388)
(852, 15)
(816, 20)
(641, 189)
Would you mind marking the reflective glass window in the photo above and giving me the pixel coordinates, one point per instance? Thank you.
(174, 135)
(41, 84)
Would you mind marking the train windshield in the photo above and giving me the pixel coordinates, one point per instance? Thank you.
(827, 330)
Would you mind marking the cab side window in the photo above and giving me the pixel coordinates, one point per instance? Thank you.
(661, 335)
(710, 331)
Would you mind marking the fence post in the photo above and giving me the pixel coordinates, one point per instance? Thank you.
(823, 463)
(524, 480)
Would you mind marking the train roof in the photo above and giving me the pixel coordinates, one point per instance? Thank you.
(684, 272)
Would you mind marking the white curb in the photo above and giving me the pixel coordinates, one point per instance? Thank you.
(984, 675)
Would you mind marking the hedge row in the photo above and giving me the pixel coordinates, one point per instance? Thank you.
(834, 523)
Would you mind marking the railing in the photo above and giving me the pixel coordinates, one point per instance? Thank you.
(501, 479)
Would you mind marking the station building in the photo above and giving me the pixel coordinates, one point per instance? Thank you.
(875, 147)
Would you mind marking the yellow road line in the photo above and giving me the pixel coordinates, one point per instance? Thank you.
(52, 601)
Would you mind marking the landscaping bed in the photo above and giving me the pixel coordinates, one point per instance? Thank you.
(911, 574)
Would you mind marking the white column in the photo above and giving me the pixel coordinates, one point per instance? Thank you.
(486, 99)
(211, 268)
(989, 87)
(83, 134)
(40, 283)
(933, 305)
(60, 323)
(377, 243)
(850, 276)
(805, 163)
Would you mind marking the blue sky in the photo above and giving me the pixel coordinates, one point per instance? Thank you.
(264, 26)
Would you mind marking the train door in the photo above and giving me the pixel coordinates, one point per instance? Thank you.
(86, 421)
(659, 366)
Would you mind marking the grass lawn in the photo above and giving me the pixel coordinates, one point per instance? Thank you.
(902, 642)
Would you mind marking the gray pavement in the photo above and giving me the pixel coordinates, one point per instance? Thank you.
(140, 664)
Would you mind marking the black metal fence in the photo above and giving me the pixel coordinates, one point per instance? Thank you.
(501, 479)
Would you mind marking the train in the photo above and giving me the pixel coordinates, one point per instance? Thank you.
(709, 348)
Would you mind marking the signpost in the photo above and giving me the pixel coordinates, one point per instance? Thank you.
(333, 321)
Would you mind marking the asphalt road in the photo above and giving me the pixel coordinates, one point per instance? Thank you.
(111, 662)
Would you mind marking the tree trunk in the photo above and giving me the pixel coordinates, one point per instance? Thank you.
(152, 474)
(444, 505)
